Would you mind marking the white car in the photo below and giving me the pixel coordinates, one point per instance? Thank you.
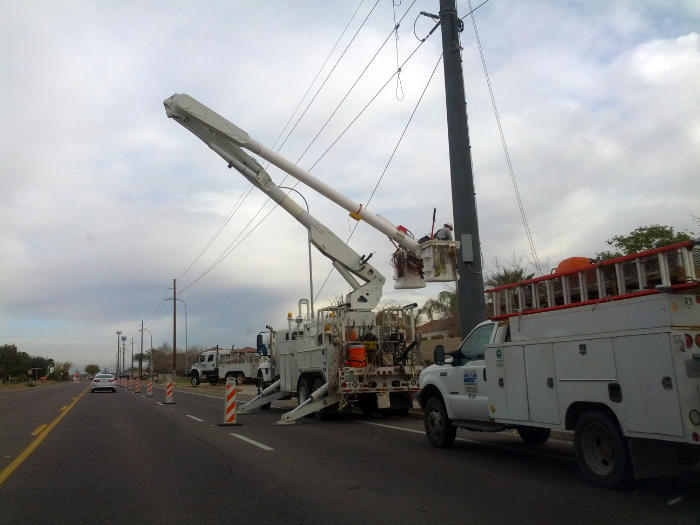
(103, 382)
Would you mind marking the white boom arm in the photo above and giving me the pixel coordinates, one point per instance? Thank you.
(212, 129)
(184, 106)
(413, 263)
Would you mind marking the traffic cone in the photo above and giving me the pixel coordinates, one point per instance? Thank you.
(137, 387)
(169, 390)
(230, 405)
(149, 389)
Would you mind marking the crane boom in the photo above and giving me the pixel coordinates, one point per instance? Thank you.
(365, 295)
(184, 106)
(414, 262)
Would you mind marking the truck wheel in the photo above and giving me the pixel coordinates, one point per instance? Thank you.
(438, 428)
(601, 450)
(534, 435)
(194, 380)
(303, 390)
(266, 406)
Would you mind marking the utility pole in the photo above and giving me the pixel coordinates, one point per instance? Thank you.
(141, 354)
(132, 357)
(119, 333)
(470, 286)
(174, 328)
(123, 353)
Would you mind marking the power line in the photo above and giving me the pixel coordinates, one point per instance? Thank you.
(386, 167)
(528, 233)
(234, 244)
(247, 191)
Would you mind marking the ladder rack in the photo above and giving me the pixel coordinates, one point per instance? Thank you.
(670, 268)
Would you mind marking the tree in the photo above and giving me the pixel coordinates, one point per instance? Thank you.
(92, 369)
(643, 238)
(503, 275)
(445, 306)
(61, 370)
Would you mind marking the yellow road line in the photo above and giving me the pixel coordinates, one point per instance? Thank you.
(39, 429)
(9, 469)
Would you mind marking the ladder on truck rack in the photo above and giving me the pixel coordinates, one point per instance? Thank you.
(671, 268)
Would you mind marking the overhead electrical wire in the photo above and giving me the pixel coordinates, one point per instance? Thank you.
(386, 167)
(249, 188)
(156, 311)
(518, 198)
(234, 244)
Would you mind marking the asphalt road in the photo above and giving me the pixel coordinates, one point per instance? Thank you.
(126, 458)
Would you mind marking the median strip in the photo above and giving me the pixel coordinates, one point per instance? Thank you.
(9, 469)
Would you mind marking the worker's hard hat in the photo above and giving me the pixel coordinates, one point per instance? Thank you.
(448, 225)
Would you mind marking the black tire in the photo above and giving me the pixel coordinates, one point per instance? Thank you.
(439, 430)
(266, 406)
(303, 390)
(194, 380)
(534, 435)
(601, 450)
(367, 403)
(114, 390)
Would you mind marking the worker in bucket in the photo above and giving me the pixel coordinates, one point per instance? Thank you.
(444, 233)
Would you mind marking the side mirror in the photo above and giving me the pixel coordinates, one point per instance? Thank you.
(439, 355)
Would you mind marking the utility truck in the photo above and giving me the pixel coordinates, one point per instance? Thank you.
(215, 365)
(608, 350)
(345, 354)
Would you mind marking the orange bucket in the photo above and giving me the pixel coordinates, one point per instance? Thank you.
(357, 356)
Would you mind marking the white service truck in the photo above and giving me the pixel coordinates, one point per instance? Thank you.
(610, 351)
(216, 365)
(347, 354)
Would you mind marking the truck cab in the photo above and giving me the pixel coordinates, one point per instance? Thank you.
(459, 382)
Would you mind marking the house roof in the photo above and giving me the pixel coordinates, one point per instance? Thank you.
(436, 325)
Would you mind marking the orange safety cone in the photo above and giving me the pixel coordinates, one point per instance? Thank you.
(169, 390)
(230, 404)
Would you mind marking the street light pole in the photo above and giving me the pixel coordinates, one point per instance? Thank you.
(119, 333)
(132, 358)
(311, 280)
(150, 361)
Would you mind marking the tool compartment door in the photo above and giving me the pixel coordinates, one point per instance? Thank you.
(649, 389)
(508, 388)
(541, 383)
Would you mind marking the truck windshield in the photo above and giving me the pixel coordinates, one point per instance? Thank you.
(473, 346)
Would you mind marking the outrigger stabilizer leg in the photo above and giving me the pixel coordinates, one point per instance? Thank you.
(314, 403)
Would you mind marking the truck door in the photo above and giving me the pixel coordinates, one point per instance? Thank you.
(208, 363)
(467, 380)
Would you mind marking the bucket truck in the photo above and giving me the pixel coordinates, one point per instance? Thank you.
(347, 354)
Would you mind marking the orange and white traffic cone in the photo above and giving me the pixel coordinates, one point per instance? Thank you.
(149, 389)
(169, 389)
(130, 384)
(137, 386)
(230, 404)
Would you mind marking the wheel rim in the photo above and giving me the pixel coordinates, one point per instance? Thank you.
(598, 449)
(435, 422)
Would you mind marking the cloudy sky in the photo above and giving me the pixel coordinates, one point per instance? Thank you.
(105, 200)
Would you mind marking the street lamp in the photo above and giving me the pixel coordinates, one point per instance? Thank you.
(119, 333)
(311, 280)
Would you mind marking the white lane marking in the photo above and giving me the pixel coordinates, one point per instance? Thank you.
(195, 418)
(472, 441)
(159, 402)
(252, 442)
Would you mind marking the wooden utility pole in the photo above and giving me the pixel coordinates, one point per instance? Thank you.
(174, 329)
(470, 286)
